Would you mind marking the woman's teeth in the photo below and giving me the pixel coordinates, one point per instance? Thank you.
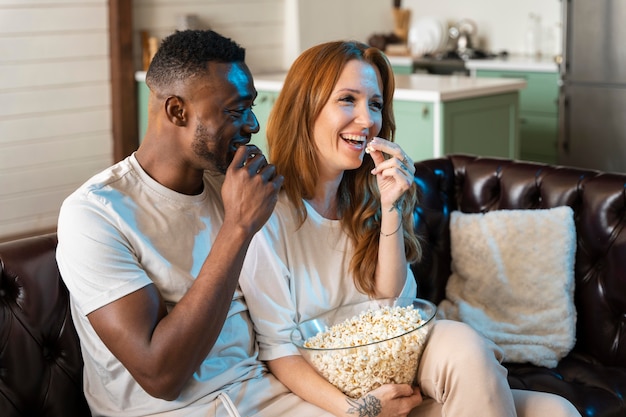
(354, 139)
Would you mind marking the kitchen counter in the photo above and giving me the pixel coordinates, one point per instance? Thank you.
(513, 63)
(425, 87)
(415, 87)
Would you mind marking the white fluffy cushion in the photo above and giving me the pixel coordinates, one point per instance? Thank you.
(513, 281)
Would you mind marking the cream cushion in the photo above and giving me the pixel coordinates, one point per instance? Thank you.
(513, 281)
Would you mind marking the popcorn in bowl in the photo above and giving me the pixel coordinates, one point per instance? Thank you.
(360, 347)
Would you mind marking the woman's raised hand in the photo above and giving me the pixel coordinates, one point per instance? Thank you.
(394, 170)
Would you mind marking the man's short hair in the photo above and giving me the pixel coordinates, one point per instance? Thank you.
(185, 54)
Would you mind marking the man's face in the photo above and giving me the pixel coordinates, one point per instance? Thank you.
(223, 114)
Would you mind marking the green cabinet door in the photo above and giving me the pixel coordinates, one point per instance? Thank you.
(538, 113)
(540, 137)
(143, 92)
(402, 69)
(415, 129)
(485, 126)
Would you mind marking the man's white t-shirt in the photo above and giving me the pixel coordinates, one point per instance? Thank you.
(121, 231)
(296, 273)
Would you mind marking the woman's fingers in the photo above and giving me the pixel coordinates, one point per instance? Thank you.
(379, 147)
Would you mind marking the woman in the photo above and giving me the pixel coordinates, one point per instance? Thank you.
(342, 233)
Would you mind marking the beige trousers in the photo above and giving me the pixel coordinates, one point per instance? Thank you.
(460, 375)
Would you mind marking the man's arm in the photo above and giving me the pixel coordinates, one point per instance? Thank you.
(161, 350)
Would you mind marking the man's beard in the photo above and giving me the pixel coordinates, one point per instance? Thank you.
(219, 159)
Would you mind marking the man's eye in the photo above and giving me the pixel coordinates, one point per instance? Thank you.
(237, 112)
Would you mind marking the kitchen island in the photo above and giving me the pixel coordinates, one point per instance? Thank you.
(435, 115)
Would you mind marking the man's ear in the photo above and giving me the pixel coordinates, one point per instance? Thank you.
(175, 110)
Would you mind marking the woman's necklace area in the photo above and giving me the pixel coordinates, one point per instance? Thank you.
(327, 211)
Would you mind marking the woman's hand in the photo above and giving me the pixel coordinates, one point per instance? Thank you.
(392, 400)
(393, 173)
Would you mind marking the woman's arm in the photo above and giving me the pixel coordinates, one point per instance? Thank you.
(395, 177)
(297, 375)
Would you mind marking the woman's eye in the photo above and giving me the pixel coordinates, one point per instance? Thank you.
(377, 105)
(347, 99)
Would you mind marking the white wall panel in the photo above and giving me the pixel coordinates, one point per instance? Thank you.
(63, 174)
(51, 125)
(63, 46)
(53, 19)
(47, 151)
(65, 72)
(55, 106)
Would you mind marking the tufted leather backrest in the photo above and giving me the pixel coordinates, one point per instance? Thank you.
(473, 185)
(40, 358)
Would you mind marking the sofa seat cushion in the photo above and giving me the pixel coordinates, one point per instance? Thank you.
(594, 389)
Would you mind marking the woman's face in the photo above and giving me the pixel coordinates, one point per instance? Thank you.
(351, 117)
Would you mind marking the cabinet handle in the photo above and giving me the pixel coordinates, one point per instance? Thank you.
(425, 111)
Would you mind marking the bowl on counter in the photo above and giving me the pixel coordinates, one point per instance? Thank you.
(359, 347)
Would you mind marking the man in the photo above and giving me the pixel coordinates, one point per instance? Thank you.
(151, 249)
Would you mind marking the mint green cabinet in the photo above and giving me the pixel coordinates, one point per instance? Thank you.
(415, 128)
(262, 107)
(402, 69)
(538, 113)
(485, 126)
(143, 92)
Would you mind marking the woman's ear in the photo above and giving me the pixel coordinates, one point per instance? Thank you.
(175, 110)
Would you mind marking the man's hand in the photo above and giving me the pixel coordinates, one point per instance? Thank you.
(250, 189)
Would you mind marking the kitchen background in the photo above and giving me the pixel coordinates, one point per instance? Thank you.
(55, 115)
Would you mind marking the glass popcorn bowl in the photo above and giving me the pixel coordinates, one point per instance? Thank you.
(360, 347)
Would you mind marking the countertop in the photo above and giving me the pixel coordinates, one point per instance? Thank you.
(425, 87)
(509, 63)
(417, 87)
(514, 63)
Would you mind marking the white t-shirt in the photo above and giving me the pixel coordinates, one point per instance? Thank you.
(292, 274)
(121, 231)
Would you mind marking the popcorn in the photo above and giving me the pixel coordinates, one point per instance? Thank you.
(376, 347)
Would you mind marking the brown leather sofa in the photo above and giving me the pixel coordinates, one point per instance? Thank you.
(40, 361)
(41, 366)
(593, 375)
